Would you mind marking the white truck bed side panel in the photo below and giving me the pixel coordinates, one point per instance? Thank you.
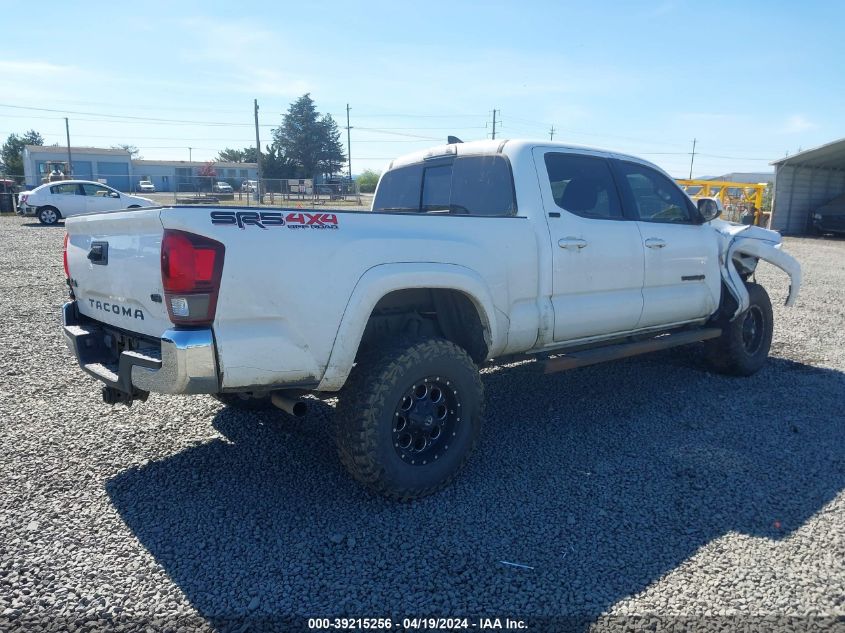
(286, 289)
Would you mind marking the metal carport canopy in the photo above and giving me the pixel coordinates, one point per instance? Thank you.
(804, 182)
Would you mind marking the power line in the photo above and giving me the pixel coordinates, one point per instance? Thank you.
(119, 116)
(384, 131)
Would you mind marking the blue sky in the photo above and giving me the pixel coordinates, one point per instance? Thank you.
(749, 80)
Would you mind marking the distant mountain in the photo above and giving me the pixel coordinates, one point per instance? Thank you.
(752, 177)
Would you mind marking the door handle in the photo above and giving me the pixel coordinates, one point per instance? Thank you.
(654, 242)
(572, 242)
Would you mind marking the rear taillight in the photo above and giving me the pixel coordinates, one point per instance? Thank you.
(191, 267)
(64, 257)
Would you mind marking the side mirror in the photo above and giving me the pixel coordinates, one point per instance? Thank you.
(113, 194)
(709, 209)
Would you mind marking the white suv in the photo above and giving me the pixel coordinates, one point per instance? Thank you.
(57, 200)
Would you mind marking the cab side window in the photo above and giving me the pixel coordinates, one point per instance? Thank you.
(96, 190)
(583, 185)
(655, 197)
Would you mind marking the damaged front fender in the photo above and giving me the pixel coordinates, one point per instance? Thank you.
(741, 242)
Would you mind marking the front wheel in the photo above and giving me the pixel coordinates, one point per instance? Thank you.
(48, 216)
(743, 347)
(409, 417)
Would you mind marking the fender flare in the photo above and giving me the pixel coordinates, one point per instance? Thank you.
(766, 251)
(383, 279)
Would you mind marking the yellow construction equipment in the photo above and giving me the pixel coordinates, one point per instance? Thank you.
(55, 170)
(737, 198)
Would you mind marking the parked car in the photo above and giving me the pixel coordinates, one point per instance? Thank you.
(472, 252)
(249, 186)
(146, 186)
(222, 187)
(830, 217)
(55, 201)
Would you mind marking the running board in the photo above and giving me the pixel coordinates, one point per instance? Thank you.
(624, 350)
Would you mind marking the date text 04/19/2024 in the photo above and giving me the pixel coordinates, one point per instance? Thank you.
(427, 623)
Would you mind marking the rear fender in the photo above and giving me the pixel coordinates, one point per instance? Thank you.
(384, 279)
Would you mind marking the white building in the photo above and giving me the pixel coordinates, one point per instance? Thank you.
(116, 168)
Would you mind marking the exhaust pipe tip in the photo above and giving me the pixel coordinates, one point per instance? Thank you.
(292, 406)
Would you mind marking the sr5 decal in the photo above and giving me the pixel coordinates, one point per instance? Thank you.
(265, 219)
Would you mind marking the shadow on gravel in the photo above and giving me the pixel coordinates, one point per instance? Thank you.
(59, 225)
(601, 480)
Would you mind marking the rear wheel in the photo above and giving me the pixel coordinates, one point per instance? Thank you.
(744, 345)
(409, 417)
(48, 215)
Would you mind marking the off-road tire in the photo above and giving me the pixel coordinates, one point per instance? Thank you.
(731, 353)
(244, 402)
(49, 216)
(365, 416)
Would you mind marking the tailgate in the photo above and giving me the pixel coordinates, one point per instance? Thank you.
(115, 267)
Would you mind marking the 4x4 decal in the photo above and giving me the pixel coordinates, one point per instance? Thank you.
(266, 219)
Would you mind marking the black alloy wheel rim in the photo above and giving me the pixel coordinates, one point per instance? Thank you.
(425, 421)
(753, 329)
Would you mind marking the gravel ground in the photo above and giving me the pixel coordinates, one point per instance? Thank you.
(645, 487)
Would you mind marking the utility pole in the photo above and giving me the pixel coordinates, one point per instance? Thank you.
(69, 162)
(190, 155)
(692, 159)
(552, 133)
(349, 143)
(257, 154)
(494, 124)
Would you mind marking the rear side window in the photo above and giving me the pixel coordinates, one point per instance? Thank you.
(583, 185)
(66, 190)
(399, 190)
(469, 185)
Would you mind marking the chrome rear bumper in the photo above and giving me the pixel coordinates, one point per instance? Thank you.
(183, 362)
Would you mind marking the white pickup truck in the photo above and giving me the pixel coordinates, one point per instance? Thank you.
(471, 252)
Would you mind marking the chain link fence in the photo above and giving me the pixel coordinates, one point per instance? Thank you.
(211, 190)
(281, 192)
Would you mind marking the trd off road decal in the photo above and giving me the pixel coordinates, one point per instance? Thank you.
(266, 219)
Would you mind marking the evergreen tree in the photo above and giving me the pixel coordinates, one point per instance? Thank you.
(308, 141)
(11, 154)
(332, 156)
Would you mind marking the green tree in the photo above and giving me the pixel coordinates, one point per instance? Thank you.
(332, 156)
(132, 150)
(229, 155)
(275, 165)
(367, 180)
(308, 141)
(11, 153)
